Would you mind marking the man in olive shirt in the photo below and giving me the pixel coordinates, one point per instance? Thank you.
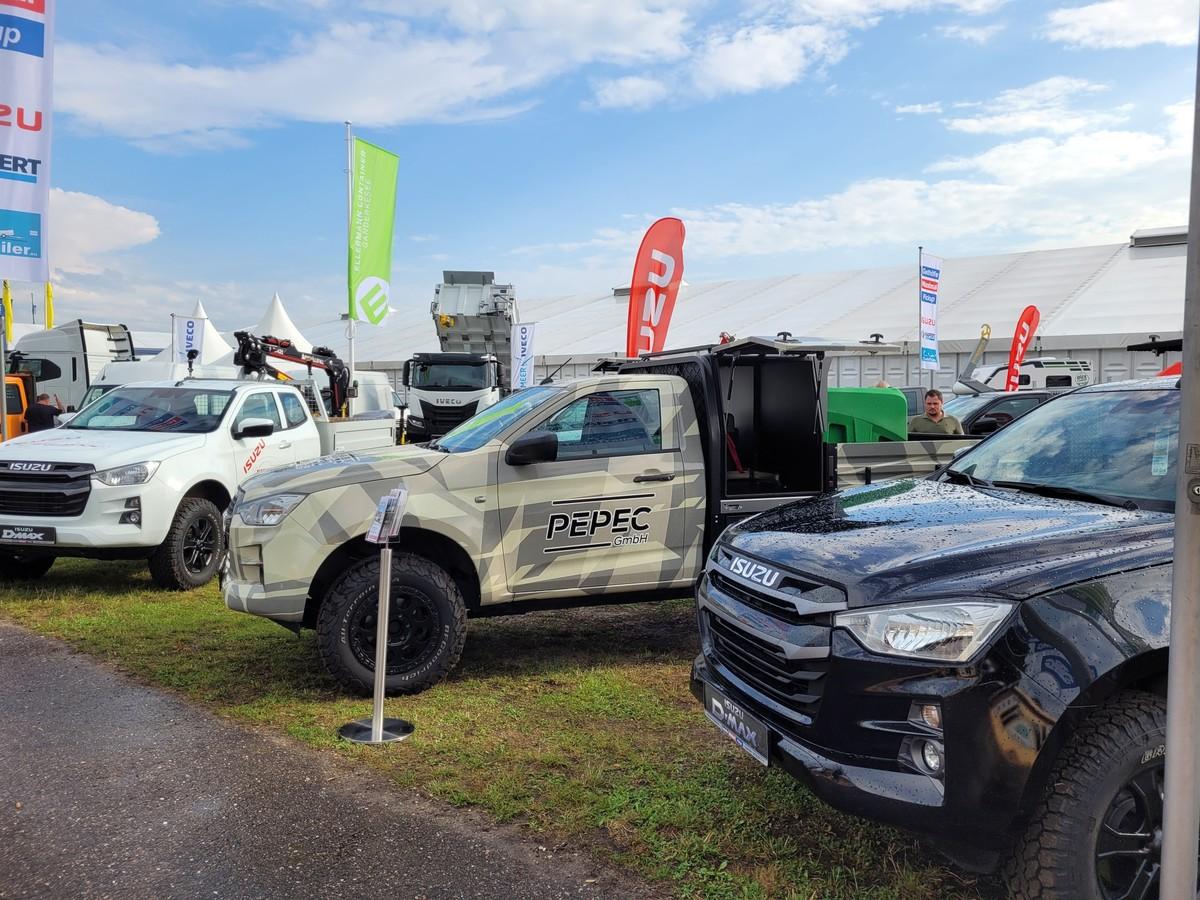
(935, 420)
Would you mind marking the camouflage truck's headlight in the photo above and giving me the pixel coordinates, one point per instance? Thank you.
(269, 510)
(942, 632)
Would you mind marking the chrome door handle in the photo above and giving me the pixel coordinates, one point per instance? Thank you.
(666, 476)
(283, 445)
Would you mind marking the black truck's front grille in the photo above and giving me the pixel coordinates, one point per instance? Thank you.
(785, 610)
(44, 489)
(796, 684)
(442, 419)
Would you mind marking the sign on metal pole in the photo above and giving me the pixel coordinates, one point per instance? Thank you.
(1181, 814)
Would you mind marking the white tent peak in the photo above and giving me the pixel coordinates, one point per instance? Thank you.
(199, 312)
(277, 323)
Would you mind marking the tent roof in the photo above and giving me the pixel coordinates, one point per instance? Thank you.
(276, 322)
(1114, 294)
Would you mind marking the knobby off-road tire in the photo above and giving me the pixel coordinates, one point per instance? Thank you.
(16, 565)
(428, 625)
(191, 553)
(1105, 789)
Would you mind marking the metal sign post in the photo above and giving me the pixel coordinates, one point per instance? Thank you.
(1181, 814)
(384, 531)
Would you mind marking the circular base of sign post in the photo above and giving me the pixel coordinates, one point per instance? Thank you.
(359, 732)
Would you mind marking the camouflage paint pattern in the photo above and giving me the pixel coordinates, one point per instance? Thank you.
(500, 515)
(895, 459)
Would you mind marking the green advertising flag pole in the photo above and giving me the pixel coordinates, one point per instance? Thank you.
(351, 321)
(372, 217)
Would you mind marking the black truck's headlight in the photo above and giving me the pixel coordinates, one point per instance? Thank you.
(944, 631)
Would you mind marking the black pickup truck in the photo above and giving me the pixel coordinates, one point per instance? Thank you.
(980, 655)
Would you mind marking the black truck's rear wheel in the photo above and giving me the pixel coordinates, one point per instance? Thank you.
(427, 625)
(1098, 831)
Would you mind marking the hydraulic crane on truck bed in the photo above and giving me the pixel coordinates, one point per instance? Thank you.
(253, 352)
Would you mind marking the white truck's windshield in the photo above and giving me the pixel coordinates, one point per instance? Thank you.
(481, 428)
(1117, 446)
(183, 410)
(451, 376)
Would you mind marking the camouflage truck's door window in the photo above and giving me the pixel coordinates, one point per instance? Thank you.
(608, 423)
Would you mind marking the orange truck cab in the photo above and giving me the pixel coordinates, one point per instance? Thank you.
(19, 392)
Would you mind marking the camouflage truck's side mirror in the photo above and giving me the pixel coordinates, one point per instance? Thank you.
(534, 447)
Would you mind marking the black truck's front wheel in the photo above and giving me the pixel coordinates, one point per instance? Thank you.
(427, 625)
(1098, 830)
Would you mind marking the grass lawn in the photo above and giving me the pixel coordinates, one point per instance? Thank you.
(578, 725)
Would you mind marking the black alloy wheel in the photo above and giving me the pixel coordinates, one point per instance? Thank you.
(200, 545)
(1129, 846)
(414, 626)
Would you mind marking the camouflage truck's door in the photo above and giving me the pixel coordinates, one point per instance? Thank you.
(609, 512)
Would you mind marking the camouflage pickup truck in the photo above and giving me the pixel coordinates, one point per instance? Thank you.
(610, 488)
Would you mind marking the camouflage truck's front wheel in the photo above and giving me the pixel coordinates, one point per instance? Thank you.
(426, 629)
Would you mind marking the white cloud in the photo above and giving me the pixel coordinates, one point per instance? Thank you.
(760, 57)
(974, 34)
(85, 228)
(1125, 23)
(1046, 105)
(1082, 189)
(864, 13)
(920, 109)
(631, 92)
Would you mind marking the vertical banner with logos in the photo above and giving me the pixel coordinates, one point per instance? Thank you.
(372, 215)
(930, 279)
(26, 81)
(1022, 337)
(657, 273)
(188, 335)
(522, 355)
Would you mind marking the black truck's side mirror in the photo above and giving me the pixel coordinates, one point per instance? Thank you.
(407, 372)
(534, 447)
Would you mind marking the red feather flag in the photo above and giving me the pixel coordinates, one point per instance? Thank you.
(657, 273)
(1026, 327)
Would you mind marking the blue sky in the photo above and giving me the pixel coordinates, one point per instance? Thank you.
(199, 148)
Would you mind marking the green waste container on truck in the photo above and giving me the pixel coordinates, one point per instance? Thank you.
(866, 415)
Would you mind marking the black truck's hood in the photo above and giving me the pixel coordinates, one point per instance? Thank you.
(906, 540)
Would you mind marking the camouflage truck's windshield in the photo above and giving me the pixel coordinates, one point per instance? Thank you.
(481, 428)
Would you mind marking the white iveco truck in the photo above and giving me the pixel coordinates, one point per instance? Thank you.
(474, 318)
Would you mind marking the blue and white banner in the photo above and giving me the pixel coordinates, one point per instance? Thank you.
(26, 80)
(930, 281)
(187, 335)
(522, 355)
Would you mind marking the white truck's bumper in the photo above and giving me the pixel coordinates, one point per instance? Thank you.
(99, 526)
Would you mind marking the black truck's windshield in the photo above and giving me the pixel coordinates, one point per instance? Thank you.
(451, 376)
(1108, 446)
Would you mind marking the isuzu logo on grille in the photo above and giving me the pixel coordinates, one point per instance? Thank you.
(752, 571)
(30, 467)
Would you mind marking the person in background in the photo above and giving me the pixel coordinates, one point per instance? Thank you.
(882, 384)
(42, 415)
(934, 420)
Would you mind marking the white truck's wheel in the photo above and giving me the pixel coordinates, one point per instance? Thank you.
(16, 565)
(189, 556)
(427, 628)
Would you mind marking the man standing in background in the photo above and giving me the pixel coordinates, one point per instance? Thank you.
(934, 420)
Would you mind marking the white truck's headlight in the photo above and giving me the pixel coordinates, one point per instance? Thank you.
(944, 631)
(138, 473)
(269, 510)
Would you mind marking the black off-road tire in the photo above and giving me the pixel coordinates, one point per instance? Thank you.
(176, 564)
(17, 565)
(429, 625)
(1056, 859)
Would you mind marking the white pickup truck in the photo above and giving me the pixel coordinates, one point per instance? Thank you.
(146, 471)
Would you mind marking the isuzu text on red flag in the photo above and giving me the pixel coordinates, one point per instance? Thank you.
(657, 273)
(1026, 327)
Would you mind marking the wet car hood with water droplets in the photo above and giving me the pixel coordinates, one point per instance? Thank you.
(910, 540)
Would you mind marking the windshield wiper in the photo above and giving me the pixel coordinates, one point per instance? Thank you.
(961, 477)
(1068, 493)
